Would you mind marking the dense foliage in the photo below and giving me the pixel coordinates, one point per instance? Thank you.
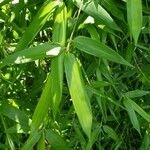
(75, 74)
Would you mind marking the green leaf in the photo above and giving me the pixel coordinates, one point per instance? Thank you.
(146, 140)
(136, 93)
(15, 114)
(111, 133)
(134, 15)
(138, 109)
(42, 106)
(60, 24)
(56, 141)
(31, 54)
(41, 143)
(32, 140)
(97, 12)
(98, 49)
(78, 93)
(37, 23)
(57, 72)
(59, 36)
(51, 93)
(93, 32)
(111, 6)
(132, 115)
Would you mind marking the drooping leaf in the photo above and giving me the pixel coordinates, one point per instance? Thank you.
(32, 140)
(111, 133)
(15, 114)
(42, 106)
(134, 15)
(58, 36)
(138, 109)
(97, 12)
(51, 92)
(132, 115)
(98, 49)
(136, 93)
(31, 54)
(56, 141)
(37, 23)
(60, 25)
(57, 72)
(41, 143)
(78, 93)
(111, 6)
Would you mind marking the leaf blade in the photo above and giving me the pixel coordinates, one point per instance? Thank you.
(78, 94)
(134, 15)
(98, 49)
(31, 54)
(97, 12)
(37, 23)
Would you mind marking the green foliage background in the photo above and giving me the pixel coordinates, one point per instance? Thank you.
(75, 74)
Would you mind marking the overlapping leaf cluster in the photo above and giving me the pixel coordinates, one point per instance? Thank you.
(75, 74)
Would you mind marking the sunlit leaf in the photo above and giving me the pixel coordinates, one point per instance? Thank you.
(134, 14)
(98, 49)
(31, 54)
(78, 93)
(37, 23)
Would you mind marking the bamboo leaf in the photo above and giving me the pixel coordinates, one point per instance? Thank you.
(15, 114)
(32, 140)
(132, 116)
(56, 141)
(98, 49)
(51, 93)
(60, 24)
(134, 15)
(37, 23)
(41, 142)
(136, 93)
(56, 82)
(138, 109)
(111, 6)
(31, 54)
(42, 106)
(111, 133)
(59, 36)
(78, 93)
(93, 32)
(97, 12)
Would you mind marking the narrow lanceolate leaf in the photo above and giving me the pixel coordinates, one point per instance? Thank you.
(37, 23)
(136, 93)
(111, 6)
(15, 114)
(134, 14)
(111, 133)
(98, 49)
(56, 82)
(97, 12)
(32, 140)
(138, 109)
(51, 91)
(132, 115)
(31, 54)
(59, 36)
(78, 93)
(42, 106)
(41, 143)
(56, 141)
(60, 24)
